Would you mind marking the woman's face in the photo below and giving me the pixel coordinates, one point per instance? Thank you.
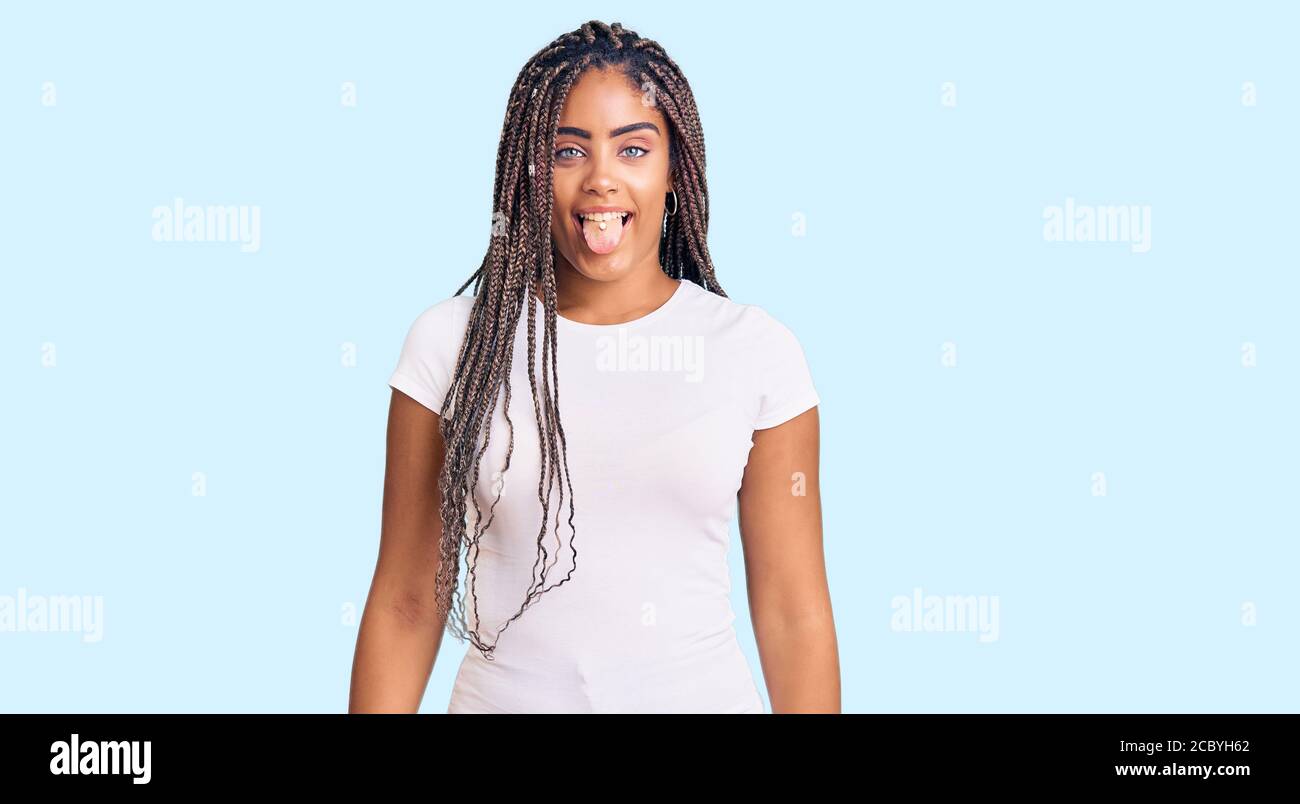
(611, 152)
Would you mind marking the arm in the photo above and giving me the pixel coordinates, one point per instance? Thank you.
(399, 636)
(785, 570)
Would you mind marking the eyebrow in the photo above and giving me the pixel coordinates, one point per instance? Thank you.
(618, 132)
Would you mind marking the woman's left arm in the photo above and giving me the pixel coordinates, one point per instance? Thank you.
(780, 519)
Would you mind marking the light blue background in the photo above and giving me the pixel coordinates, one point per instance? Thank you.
(924, 226)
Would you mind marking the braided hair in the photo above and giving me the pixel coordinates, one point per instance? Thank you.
(519, 259)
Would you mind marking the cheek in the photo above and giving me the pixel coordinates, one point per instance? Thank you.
(562, 234)
(561, 203)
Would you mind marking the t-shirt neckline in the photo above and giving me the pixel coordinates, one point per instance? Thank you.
(580, 325)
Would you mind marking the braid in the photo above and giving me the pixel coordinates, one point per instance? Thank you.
(519, 266)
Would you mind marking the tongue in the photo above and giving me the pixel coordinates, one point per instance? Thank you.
(602, 242)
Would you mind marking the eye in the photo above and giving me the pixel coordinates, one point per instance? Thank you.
(637, 148)
(560, 153)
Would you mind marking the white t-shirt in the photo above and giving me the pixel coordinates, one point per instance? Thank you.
(658, 416)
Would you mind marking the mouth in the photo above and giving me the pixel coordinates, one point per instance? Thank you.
(602, 231)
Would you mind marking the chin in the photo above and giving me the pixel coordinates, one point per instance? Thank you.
(602, 267)
(604, 273)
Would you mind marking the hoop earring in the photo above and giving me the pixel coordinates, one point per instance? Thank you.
(673, 193)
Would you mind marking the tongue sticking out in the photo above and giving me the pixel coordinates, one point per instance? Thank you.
(603, 242)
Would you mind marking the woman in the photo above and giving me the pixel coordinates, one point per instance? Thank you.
(677, 403)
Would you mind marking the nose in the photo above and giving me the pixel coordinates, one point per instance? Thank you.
(600, 177)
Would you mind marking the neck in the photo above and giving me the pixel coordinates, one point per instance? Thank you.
(610, 301)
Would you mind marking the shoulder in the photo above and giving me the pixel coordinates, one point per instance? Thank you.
(428, 356)
(442, 316)
(439, 326)
(752, 324)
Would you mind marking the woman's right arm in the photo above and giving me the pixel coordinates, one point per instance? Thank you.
(400, 634)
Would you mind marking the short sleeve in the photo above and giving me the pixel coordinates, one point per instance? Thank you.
(429, 353)
(785, 381)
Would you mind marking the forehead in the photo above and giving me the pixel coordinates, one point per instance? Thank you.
(605, 99)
